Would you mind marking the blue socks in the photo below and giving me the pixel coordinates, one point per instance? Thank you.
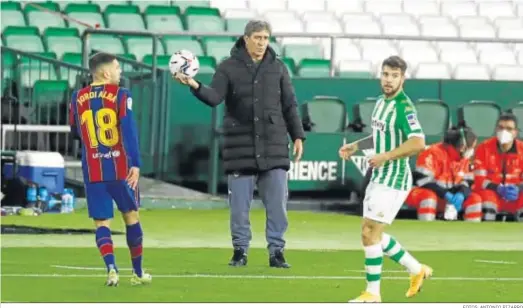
(134, 241)
(105, 246)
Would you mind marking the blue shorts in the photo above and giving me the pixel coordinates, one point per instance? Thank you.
(100, 197)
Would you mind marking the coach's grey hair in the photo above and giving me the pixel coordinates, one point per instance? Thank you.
(256, 26)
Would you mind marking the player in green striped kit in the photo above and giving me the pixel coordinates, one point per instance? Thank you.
(396, 135)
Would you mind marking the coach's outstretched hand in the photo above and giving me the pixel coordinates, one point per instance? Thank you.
(132, 177)
(186, 80)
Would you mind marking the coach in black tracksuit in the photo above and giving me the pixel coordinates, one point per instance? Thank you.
(260, 113)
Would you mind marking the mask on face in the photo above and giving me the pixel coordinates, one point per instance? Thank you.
(505, 137)
(468, 153)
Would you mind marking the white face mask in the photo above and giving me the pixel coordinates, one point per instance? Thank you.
(504, 137)
(468, 153)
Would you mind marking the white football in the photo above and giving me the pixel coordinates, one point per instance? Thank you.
(184, 62)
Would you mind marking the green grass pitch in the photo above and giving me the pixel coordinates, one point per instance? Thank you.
(187, 252)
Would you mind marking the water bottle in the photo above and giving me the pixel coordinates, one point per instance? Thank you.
(71, 201)
(67, 201)
(31, 194)
(43, 194)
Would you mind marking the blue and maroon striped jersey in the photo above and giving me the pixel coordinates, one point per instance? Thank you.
(101, 116)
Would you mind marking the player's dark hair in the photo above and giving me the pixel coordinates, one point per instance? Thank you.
(98, 59)
(395, 62)
(508, 117)
(458, 136)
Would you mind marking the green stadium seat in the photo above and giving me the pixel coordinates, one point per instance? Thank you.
(90, 18)
(204, 19)
(325, 114)
(16, 30)
(218, 47)
(12, 18)
(43, 20)
(127, 66)
(185, 4)
(105, 4)
(165, 9)
(176, 43)
(108, 43)
(362, 112)
(112, 8)
(24, 41)
(82, 8)
(124, 17)
(8, 62)
(72, 58)
(162, 61)
(10, 6)
(518, 112)
(49, 5)
(302, 51)
(143, 5)
(433, 115)
(32, 70)
(236, 25)
(355, 75)
(291, 66)
(481, 116)
(62, 40)
(48, 94)
(161, 22)
(141, 46)
(314, 68)
(70, 74)
(207, 65)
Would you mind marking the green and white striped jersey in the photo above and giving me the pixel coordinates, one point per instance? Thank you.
(393, 122)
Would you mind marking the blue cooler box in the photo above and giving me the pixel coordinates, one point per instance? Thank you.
(45, 168)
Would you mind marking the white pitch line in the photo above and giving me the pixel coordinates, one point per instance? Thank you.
(87, 268)
(261, 277)
(84, 268)
(495, 262)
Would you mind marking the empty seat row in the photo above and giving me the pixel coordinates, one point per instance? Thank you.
(331, 114)
(491, 9)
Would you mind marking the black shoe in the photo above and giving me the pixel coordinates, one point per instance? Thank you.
(278, 260)
(239, 258)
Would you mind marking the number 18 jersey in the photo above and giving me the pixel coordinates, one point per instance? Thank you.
(101, 116)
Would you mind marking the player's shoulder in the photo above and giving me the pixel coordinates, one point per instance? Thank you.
(124, 90)
(405, 103)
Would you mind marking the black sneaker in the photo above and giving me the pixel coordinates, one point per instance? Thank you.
(278, 260)
(239, 258)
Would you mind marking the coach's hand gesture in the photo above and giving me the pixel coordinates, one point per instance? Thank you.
(186, 80)
(132, 177)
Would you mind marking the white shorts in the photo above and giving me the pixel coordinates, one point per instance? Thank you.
(383, 203)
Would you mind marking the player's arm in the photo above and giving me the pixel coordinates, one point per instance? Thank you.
(72, 118)
(290, 106)
(213, 94)
(129, 129)
(410, 128)
(428, 168)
